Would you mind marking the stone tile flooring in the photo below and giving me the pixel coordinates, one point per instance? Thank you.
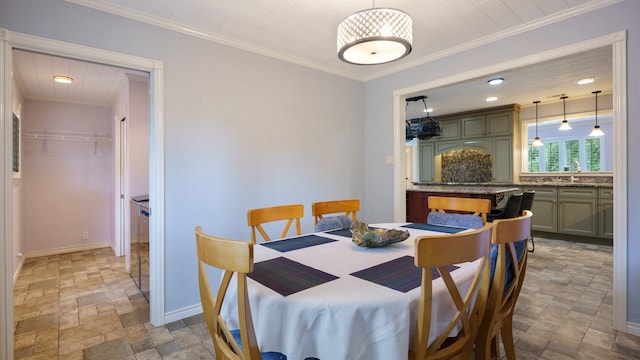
(83, 305)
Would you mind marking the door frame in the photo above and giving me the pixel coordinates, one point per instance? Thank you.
(618, 43)
(10, 40)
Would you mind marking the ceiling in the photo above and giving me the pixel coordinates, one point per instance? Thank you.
(304, 32)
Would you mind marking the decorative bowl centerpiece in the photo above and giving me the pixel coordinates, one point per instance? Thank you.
(365, 236)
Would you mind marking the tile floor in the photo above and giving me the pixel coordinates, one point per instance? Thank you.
(83, 305)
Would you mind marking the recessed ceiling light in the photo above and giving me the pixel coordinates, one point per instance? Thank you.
(495, 81)
(491, 98)
(585, 81)
(63, 79)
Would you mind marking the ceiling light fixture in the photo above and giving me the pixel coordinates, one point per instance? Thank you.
(495, 81)
(375, 36)
(585, 81)
(62, 79)
(536, 140)
(596, 129)
(565, 124)
(491, 98)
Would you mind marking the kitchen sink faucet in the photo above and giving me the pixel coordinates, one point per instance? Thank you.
(577, 169)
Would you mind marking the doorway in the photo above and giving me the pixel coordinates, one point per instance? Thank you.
(10, 41)
(617, 41)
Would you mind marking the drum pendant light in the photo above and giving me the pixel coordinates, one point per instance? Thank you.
(565, 124)
(375, 36)
(596, 129)
(536, 140)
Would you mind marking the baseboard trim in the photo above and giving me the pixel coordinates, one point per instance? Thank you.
(67, 249)
(183, 313)
(18, 269)
(633, 328)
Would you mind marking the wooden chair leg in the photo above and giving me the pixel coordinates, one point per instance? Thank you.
(507, 337)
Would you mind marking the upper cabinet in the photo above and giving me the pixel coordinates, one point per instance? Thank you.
(492, 124)
(494, 130)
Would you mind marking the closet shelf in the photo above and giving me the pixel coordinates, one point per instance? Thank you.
(46, 135)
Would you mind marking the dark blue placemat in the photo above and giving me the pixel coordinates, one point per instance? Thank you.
(341, 232)
(297, 243)
(399, 274)
(287, 277)
(438, 228)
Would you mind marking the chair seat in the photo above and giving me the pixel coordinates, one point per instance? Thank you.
(268, 355)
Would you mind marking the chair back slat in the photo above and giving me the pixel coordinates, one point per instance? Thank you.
(474, 206)
(289, 213)
(347, 207)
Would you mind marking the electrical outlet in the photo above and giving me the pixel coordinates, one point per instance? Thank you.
(85, 235)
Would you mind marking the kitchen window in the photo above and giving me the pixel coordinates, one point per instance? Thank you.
(562, 149)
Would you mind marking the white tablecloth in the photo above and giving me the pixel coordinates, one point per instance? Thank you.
(346, 318)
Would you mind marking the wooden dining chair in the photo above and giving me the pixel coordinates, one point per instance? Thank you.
(288, 213)
(455, 211)
(439, 252)
(234, 258)
(509, 264)
(346, 207)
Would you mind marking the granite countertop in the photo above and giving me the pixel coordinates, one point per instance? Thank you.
(423, 186)
(463, 189)
(568, 184)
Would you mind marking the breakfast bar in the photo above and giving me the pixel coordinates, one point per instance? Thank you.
(417, 195)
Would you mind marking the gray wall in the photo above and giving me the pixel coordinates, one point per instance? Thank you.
(242, 130)
(378, 109)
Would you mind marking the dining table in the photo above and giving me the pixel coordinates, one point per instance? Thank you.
(321, 296)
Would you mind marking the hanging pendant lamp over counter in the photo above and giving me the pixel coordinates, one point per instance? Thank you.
(565, 124)
(596, 129)
(536, 140)
(375, 36)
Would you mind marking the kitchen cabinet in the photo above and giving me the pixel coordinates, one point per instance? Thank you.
(573, 210)
(493, 130)
(544, 209)
(577, 211)
(605, 213)
(502, 160)
(444, 146)
(450, 130)
(427, 153)
(490, 124)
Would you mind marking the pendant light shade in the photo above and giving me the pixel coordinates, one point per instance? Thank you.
(536, 140)
(565, 124)
(596, 129)
(375, 36)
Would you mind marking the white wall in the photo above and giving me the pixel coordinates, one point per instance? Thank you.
(378, 108)
(67, 184)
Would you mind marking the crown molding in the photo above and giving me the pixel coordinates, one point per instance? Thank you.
(122, 11)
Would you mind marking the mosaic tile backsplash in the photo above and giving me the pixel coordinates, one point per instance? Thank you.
(466, 165)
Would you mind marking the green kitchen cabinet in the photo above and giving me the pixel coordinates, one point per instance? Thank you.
(473, 126)
(444, 146)
(502, 160)
(577, 211)
(427, 153)
(450, 130)
(605, 213)
(544, 208)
